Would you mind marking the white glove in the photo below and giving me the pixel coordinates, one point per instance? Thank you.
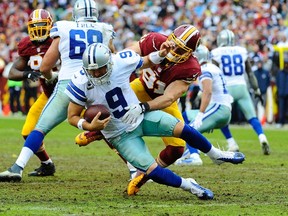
(198, 120)
(133, 113)
(53, 79)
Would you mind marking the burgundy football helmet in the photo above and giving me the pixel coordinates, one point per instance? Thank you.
(186, 38)
(39, 25)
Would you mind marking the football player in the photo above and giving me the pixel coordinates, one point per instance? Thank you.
(31, 50)
(215, 107)
(130, 118)
(162, 85)
(233, 61)
(70, 39)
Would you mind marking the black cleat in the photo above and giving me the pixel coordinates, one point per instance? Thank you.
(44, 170)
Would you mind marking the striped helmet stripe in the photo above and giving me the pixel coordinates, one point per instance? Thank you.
(188, 33)
(37, 14)
(229, 38)
(91, 55)
(88, 8)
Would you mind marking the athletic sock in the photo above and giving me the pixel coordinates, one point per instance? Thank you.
(165, 176)
(195, 139)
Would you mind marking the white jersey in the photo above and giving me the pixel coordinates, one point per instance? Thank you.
(231, 60)
(74, 38)
(115, 95)
(220, 94)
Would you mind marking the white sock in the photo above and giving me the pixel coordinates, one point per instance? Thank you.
(185, 184)
(24, 157)
(231, 141)
(47, 161)
(214, 152)
(262, 137)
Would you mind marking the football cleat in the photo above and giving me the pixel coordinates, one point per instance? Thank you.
(265, 148)
(229, 157)
(265, 145)
(87, 137)
(201, 192)
(193, 160)
(44, 170)
(13, 174)
(133, 186)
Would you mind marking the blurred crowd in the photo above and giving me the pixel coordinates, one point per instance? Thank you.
(258, 25)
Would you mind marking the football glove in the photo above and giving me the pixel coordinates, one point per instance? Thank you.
(31, 75)
(258, 95)
(134, 111)
(198, 120)
(53, 80)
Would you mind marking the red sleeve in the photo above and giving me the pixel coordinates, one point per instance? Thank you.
(151, 42)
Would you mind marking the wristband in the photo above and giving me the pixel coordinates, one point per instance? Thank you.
(145, 107)
(80, 123)
(155, 58)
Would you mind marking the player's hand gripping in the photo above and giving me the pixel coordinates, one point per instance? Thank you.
(97, 124)
(53, 79)
(134, 111)
(31, 75)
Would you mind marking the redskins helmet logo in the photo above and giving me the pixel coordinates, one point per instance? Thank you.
(186, 38)
(39, 25)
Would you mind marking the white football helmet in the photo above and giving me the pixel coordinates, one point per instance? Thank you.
(225, 38)
(202, 54)
(85, 10)
(97, 55)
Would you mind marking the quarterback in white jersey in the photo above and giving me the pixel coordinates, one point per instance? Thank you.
(70, 39)
(105, 80)
(234, 63)
(215, 108)
(117, 91)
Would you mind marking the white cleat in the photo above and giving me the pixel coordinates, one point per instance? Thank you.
(229, 157)
(199, 191)
(9, 176)
(265, 145)
(193, 160)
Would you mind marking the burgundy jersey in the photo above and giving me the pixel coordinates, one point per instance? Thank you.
(157, 78)
(34, 53)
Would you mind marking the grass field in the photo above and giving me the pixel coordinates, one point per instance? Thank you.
(91, 180)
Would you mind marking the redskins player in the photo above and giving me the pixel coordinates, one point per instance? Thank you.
(31, 50)
(162, 85)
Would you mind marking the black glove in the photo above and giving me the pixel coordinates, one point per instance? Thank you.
(258, 95)
(32, 75)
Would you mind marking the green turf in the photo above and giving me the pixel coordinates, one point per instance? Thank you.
(91, 180)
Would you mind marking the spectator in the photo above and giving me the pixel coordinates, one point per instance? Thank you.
(263, 78)
(31, 89)
(15, 90)
(282, 88)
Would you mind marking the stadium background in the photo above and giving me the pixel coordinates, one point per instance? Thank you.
(261, 27)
